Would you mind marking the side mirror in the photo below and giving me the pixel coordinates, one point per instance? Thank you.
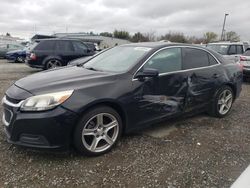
(150, 73)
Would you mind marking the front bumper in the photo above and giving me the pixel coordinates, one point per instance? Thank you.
(46, 130)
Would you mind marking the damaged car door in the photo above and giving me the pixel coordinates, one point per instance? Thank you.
(165, 94)
(203, 73)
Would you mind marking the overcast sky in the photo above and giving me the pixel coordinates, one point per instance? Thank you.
(191, 17)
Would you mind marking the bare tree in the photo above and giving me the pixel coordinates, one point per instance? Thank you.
(139, 37)
(232, 36)
(151, 36)
(210, 37)
(121, 34)
(174, 37)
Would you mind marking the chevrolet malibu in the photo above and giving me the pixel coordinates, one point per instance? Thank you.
(90, 105)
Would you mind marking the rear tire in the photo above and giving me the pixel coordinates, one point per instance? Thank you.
(52, 63)
(222, 103)
(98, 131)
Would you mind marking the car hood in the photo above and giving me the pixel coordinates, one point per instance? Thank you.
(62, 79)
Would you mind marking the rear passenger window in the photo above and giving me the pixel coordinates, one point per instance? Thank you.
(167, 60)
(79, 46)
(46, 45)
(194, 58)
(212, 61)
(239, 49)
(65, 46)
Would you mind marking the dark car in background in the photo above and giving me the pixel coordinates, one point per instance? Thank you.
(19, 56)
(4, 48)
(122, 89)
(52, 53)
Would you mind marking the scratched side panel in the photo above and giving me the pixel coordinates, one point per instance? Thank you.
(156, 98)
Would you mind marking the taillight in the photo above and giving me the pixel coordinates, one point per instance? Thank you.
(33, 56)
(242, 58)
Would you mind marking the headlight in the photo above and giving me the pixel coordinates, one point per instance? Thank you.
(46, 101)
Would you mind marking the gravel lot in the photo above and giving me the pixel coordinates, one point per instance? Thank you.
(196, 152)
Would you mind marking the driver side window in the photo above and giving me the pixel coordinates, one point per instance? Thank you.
(165, 61)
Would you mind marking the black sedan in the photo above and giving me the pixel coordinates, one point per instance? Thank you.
(122, 89)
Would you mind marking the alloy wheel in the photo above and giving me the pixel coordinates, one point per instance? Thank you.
(100, 132)
(225, 101)
(53, 64)
(20, 59)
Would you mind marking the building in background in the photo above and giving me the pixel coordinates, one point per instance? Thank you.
(5, 39)
(103, 42)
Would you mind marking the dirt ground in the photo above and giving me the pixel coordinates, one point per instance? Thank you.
(199, 151)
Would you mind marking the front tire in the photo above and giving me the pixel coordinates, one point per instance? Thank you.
(222, 103)
(19, 59)
(98, 131)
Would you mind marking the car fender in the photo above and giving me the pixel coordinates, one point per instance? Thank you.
(115, 104)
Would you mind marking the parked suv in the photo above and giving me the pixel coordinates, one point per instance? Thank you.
(51, 53)
(230, 51)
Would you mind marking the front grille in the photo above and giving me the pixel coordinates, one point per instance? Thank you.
(15, 101)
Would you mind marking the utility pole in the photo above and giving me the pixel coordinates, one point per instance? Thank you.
(223, 28)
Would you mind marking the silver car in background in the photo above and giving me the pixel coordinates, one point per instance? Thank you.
(230, 50)
(245, 62)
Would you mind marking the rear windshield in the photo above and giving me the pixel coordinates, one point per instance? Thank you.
(219, 48)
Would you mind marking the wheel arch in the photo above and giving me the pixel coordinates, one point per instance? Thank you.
(112, 104)
(46, 59)
(233, 87)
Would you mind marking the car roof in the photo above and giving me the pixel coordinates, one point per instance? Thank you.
(60, 39)
(158, 45)
(155, 45)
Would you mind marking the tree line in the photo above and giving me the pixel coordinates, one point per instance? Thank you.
(172, 37)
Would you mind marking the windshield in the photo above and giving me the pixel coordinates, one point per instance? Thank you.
(117, 59)
(219, 48)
